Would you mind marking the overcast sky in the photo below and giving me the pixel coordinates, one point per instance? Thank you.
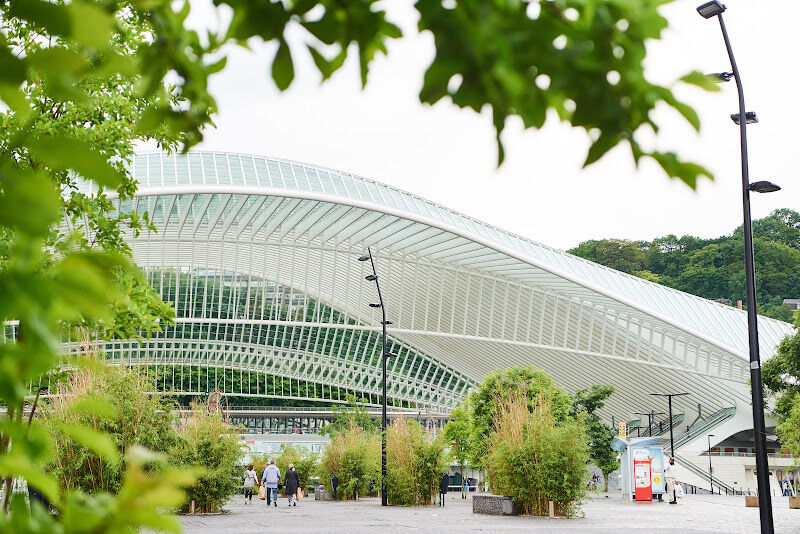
(448, 155)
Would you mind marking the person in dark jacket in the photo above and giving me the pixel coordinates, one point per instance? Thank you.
(334, 484)
(443, 484)
(292, 484)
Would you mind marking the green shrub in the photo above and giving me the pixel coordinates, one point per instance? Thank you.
(535, 458)
(482, 402)
(210, 447)
(354, 456)
(305, 463)
(414, 464)
(134, 418)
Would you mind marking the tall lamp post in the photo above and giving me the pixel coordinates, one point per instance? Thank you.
(384, 355)
(710, 479)
(669, 397)
(709, 10)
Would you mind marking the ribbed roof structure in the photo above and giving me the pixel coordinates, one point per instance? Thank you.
(466, 298)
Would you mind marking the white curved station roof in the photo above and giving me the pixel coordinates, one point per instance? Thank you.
(465, 294)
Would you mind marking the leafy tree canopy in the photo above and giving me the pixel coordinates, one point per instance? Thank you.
(483, 402)
(714, 268)
(352, 414)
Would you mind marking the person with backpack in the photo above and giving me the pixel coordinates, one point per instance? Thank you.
(270, 478)
(250, 481)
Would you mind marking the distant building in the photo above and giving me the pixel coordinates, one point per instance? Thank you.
(793, 303)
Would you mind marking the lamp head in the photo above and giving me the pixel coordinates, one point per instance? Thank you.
(711, 9)
(363, 258)
(720, 77)
(371, 277)
(764, 187)
(749, 117)
(387, 322)
(374, 305)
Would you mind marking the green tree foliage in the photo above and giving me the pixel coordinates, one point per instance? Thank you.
(535, 457)
(211, 449)
(354, 456)
(714, 268)
(304, 461)
(82, 81)
(354, 414)
(457, 434)
(133, 418)
(600, 433)
(781, 376)
(414, 463)
(483, 402)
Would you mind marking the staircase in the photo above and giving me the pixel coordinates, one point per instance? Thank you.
(700, 427)
(703, 474)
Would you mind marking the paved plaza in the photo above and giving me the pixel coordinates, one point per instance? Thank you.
(716, 514)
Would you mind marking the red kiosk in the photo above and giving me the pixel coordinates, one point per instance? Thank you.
(642, 484)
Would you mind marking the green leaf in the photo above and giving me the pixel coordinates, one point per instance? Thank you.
(99, 442)
(48, 16)
(603, 144)
(685, 171)
(91, 25)
(65, 153)
(701, 80)
(93, 406)
(29, 201)
(282, 67)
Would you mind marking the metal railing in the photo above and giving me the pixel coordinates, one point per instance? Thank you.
(701, 427)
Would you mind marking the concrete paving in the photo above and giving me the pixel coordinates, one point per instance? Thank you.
(716, 514)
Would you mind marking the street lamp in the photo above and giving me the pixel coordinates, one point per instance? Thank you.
(384, 355)
(710, 479)
(669, 397)
(708, 10)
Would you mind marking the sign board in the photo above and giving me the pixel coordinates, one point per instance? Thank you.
(623, 429)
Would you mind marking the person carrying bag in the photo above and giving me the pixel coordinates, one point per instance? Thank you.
(250, 480)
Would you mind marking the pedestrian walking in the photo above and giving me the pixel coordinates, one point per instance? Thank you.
(669, 476)
(443, 485)
(250, 481)
(270, 478)
(292, 485)
(334, 484)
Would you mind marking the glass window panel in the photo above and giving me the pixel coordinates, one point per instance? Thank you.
(209, 174)
(235, 167)
(338, 184)
(313, 179)
(363, 193)
(300, 176)
(398, 199)
(249, 171)
(223, 174)
(154, 169)
(262, 174)
(275, 179)
(287, 175)
(349, 186)
(168, 169)
(182, 169)
(325, 180)
(140, 170)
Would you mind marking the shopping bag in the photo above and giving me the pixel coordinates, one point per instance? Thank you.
(299, 494)
(262, 493)
(679, 493)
